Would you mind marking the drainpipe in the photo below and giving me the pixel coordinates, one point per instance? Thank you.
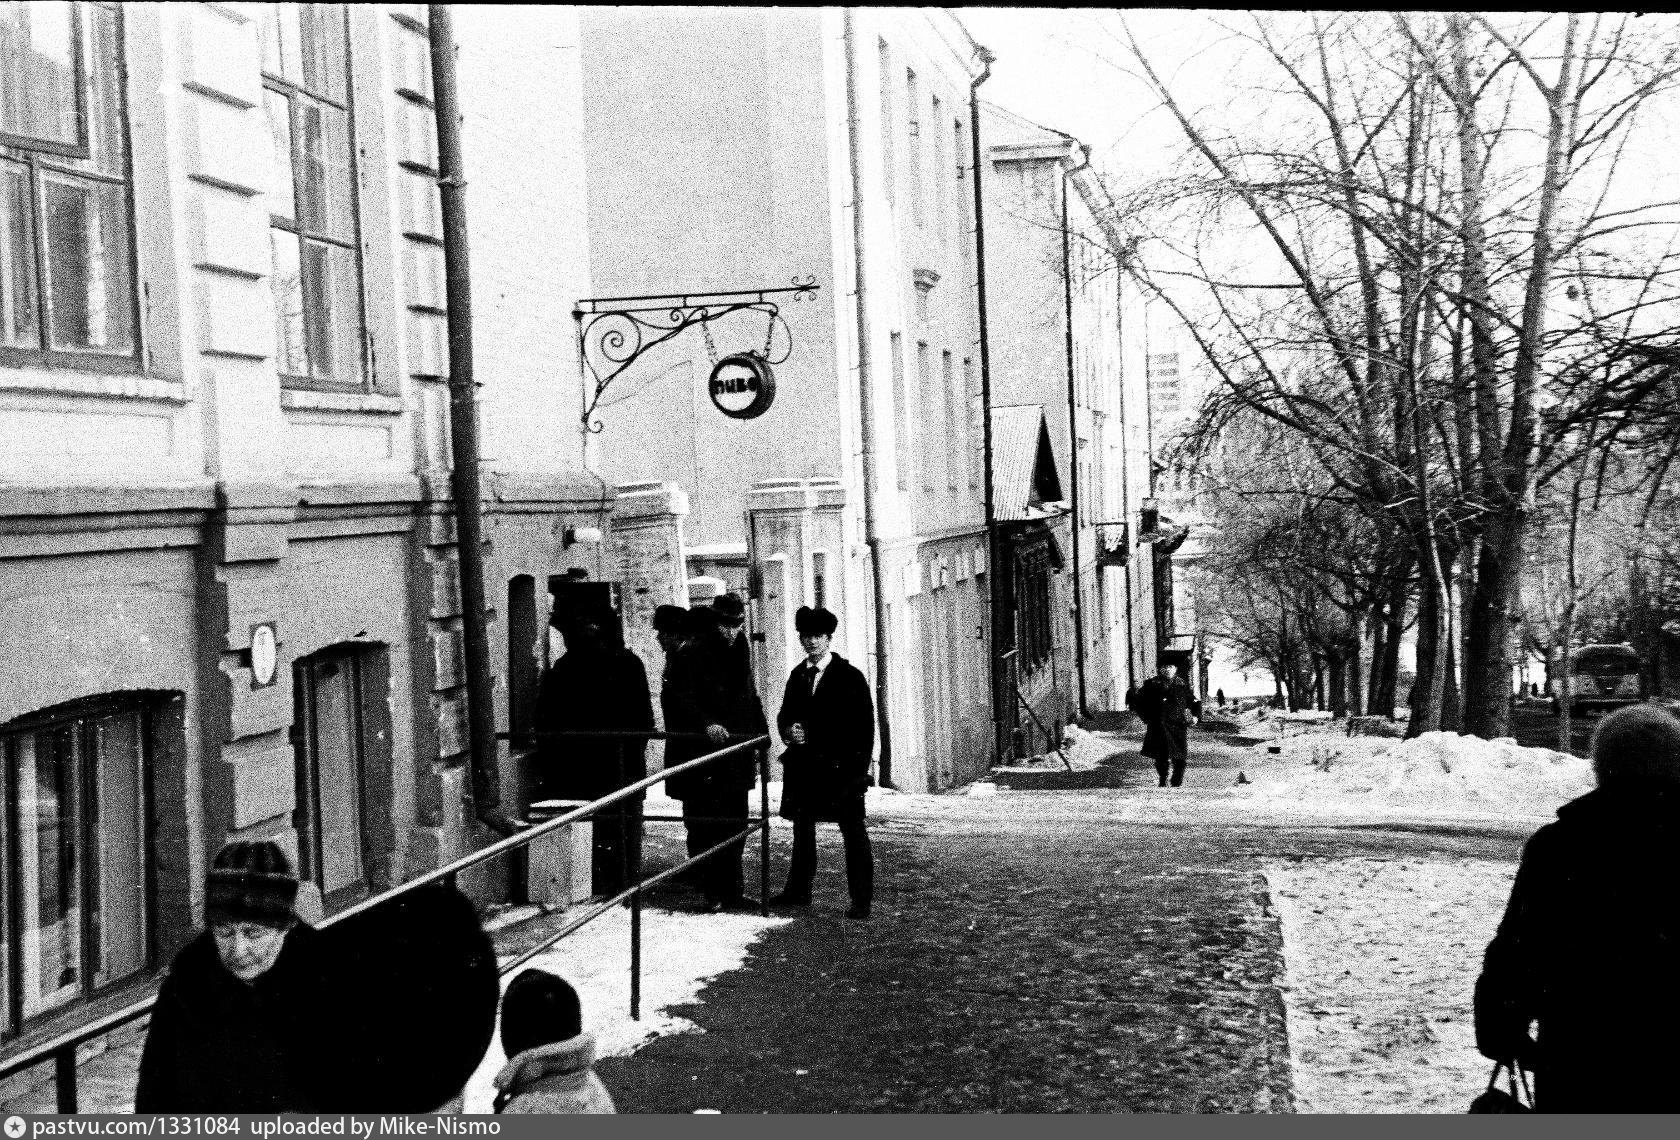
(1126, 486)
(994, 564)
(463, 431)
(1073, 430)
(866, 410)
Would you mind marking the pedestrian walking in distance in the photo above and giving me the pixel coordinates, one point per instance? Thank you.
(1590, 942)
(827, 722)
(597, 686)
(1167, 708)
(235, 1025)
(551, 1060)
(1219, 695)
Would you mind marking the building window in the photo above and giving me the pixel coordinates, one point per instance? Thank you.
(903, 431)
(933, 416)
(888, 142)
(913, 128)
(953, 421)
(331, 745)
(938, 163)
(66, 223)
(317, 265)
(75, 827)
(1033, 633)
(975, 433)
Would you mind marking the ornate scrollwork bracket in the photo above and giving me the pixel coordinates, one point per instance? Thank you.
(614, 331)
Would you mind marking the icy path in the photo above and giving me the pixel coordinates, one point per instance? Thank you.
(1380, 957)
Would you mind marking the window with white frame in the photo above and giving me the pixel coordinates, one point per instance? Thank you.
(317, 265)
(67, 292)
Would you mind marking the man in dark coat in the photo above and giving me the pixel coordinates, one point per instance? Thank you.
(724, 789)
(1167, 708)
(1590, 941)
(694, 697)
(827, 722)
(598, 686)
(238, 1023)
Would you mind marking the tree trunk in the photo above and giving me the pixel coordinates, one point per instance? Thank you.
(1388, 690)
(1356, 667)
(1487, 705)
(1432, 644)
(1379, 654)
(1338, 684)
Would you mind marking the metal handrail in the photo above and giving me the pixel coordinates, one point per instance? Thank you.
(61, 1049)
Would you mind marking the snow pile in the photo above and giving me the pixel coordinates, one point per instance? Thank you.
(680, 954)
(1086, 751)
(1437, 773)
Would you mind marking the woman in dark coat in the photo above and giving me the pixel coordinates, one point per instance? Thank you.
(1167, 706)
(1589, 947)
(827, 721)
(234, 1029)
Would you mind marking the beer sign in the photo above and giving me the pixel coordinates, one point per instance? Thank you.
(742, 385)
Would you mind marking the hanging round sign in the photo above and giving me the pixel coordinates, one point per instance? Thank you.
(742, 385)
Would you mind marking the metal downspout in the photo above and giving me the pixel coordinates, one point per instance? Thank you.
(866, 411)
(994, 566)
(1073, 436)
(463, 431)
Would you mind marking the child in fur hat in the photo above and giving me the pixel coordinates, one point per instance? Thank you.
(551, 1060)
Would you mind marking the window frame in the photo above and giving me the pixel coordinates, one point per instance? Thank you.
(80, 718)
(293, 91)
(37, 156)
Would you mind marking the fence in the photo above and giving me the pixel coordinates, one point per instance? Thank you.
(61, 1049)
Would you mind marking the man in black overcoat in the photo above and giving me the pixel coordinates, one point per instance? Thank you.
(1167, 708)
(1587, 950)
(720, 807)
(597, 686)
(827, 722)
(695, 698)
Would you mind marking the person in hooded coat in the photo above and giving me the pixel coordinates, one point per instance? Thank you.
(238, 1019)
(1167, 707)
(827, 722)
(551, 1060)
(597, 686)
(1589, 945)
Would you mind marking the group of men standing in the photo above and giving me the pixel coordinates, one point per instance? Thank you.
(595, 714)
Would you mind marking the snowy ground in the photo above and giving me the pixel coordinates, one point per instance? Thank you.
(680, 953)
(1380, 959)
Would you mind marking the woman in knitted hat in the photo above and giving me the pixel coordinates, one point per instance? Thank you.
(232, 1027)
(1586, 951)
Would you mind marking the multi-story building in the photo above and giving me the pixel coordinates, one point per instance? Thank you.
(228, 589)
(741, 149)
(1066, 348)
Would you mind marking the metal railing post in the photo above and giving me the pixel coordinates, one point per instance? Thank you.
(623, 818)
(64, 1076)
(636, 955)
(764, 832)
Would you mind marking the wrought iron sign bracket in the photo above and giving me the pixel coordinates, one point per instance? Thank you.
(613, 332)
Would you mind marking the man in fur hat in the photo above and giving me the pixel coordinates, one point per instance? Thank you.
(827, 722)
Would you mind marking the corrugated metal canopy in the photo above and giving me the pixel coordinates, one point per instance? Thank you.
(1024, 481)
